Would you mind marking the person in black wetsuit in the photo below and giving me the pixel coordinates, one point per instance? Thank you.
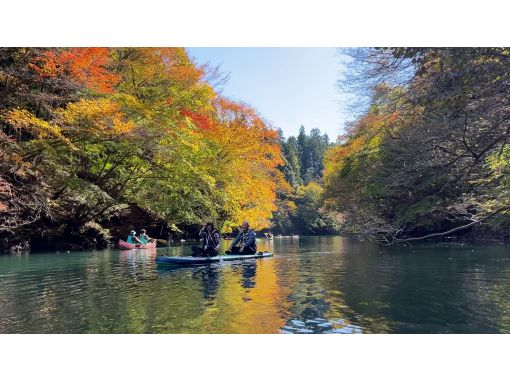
(211, 242)
(247, 239)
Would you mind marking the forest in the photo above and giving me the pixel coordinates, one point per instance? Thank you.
(427, 154)
(300, 206)
(97, 141)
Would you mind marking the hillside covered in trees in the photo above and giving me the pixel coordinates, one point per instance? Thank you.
(300, 205)
(96, 141)
(428, 153)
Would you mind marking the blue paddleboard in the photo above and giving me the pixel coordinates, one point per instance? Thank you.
(189, 260)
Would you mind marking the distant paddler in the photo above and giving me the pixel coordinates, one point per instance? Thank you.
(132, 239)
(144, 238)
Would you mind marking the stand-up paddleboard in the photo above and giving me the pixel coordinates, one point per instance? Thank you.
(189, 260)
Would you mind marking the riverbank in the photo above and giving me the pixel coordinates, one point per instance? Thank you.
(102, 239)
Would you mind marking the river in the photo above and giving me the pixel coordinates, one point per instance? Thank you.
(311, 285)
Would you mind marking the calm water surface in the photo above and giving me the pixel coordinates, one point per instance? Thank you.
(312, 285)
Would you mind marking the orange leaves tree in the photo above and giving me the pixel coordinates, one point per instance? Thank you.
(243, 155)
(101, 130)
(83, 66)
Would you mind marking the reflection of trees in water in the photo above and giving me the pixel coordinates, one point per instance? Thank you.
(336, 285)
(315, 300)
(422, 289)
(359, 286)
(107, 293)
(403, 289)
(500, 296)
(320, 285)
(250, 298)
(333, 287)
(39, 296)
(201, 300)
(491, 285)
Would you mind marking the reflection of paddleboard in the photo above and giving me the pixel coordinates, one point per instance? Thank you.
(189, 260)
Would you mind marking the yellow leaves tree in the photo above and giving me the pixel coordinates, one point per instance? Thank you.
(22, 120)
(107, 127)
(100, 117)
(244, 157)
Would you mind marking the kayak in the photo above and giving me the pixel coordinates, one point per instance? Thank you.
(189, 260)
(125, 245)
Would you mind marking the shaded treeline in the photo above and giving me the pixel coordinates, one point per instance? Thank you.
(428, 154)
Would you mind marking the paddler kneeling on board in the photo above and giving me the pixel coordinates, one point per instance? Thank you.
(247, 238)
(211, 239)
(132, 239)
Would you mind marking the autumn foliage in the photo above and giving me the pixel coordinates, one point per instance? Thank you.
(427, 155)
(104, 130)
(85, 66)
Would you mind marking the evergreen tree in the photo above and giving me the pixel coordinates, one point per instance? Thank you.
(300, 211)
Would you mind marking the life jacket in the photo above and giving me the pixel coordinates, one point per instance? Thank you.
(245, 236)
(211, 239)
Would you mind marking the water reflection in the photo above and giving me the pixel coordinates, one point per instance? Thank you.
(138, 263)
(311, 285)
(209, 277)
(320, 326)
(249, 270)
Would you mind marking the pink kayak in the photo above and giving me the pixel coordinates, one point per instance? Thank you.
(126, 245)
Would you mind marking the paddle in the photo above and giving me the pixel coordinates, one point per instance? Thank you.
(162, 241)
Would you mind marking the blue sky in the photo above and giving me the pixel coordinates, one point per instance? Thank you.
(289, 87)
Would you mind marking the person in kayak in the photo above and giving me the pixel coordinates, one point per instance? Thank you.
(211, 239)
(144, 238)
(132, 239)
(247, 238)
